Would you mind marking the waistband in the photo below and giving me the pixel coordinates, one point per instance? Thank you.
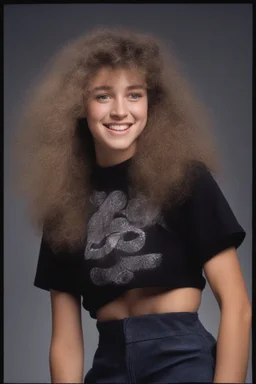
(144, 327)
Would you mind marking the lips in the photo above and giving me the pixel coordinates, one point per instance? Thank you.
(118, 127)
(115, 124)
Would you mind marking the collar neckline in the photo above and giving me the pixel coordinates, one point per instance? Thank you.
(113, 168)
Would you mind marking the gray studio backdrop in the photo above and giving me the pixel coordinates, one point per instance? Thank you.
(214, 43)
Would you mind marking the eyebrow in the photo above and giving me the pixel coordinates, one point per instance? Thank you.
(108, 88)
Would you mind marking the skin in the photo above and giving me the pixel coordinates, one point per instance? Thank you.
(66, 355)
(118, 104)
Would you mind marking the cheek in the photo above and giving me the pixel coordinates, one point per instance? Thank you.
(141, 111)
(96, 112)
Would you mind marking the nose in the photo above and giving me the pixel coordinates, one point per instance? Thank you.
(119, 109)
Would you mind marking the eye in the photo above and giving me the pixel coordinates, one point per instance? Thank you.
(136, 96)
(101, 97)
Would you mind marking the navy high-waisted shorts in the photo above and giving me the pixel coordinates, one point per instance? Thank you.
(156, 348)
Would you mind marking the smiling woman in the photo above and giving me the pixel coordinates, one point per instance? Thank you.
(56, 151)
(116, 158)
(116, 117)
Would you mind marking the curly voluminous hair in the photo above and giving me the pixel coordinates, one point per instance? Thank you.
(54, 149)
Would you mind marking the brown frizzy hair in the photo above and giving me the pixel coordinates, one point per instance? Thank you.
(54, 149)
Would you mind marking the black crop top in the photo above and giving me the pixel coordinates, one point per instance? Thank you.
(128, 246)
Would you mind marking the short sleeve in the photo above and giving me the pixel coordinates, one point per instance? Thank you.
(56, 271)
(211, 223)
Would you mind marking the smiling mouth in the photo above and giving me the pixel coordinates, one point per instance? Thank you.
(118, 127)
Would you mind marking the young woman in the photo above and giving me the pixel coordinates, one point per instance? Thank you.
(119, 176)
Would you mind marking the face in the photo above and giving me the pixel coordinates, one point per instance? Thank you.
(116, 112)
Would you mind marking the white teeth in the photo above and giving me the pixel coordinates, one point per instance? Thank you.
(119, 127)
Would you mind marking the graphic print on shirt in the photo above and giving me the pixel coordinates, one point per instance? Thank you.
(114, 218)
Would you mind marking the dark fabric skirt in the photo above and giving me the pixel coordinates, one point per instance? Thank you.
(156, 348)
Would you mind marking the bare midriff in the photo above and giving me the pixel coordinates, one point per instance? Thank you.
(150, 300)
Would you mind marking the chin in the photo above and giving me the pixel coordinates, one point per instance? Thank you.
(121, 145)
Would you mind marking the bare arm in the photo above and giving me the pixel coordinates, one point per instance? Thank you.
(233, 347)
(67, 348)
(226, 281)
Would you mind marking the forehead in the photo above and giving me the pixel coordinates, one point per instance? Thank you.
(110, 77)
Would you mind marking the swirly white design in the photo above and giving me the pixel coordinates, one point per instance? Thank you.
(116, 217)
